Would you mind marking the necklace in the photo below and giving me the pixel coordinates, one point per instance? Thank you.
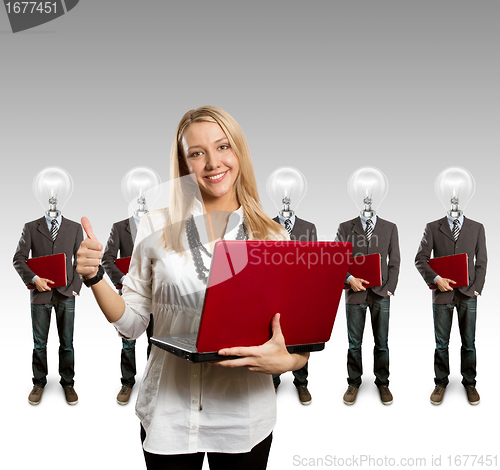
(196, 247)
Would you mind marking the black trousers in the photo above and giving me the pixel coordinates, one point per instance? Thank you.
(256, 459)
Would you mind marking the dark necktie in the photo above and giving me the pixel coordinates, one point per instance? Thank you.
(288, 226)
(456, 229)
(369, 229)
(54, 230)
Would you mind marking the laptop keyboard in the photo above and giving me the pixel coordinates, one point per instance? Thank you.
(191, 342)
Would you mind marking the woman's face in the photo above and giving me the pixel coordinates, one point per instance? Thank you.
(209, 157)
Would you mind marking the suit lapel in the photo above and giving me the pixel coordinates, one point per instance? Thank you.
(297, 226)
(357, 227)
(445, 228)
(43, 229)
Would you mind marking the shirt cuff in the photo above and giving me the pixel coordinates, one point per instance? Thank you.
(33, 280)
(122, 279)
(348, 279)
(436, 278)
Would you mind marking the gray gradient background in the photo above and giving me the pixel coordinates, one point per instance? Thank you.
(408, 86)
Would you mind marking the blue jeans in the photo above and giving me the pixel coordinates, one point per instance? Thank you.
(299, 377)
(127, 363)
(65, 319)
(443, 315)
(356, 315)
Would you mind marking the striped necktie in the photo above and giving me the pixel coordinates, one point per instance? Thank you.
(369, 229)
(54, 230)
(456, 229)
(288, 226)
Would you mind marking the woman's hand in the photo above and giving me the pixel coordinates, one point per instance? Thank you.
(271, 357)
(90, 253)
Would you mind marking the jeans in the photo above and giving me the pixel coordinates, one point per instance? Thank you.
(300, 377)
(65, 319)
(127, 363)
(443, 315)
(356, 315)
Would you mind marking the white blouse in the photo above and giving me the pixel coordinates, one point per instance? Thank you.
(185, 407)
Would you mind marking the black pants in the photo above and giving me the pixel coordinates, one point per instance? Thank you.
(256, 459)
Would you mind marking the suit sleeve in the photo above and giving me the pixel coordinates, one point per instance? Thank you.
(313, 237)
(110, 255)
(77, 282)
(481, 261)
(394, 261)
(21, 256)
(423, 256)
(341, 237)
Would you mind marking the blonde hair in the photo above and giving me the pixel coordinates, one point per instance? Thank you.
(258, 224)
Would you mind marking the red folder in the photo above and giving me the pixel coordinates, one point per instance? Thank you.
(51, 267)
(454, 267)
(123, 265)
(367, 267)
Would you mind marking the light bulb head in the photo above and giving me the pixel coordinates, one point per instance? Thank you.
(53, 187)
(368, 187)
(286, 186)
(454, 187)
(140, 187)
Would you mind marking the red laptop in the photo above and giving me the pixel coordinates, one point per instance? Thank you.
(51, 267)
(123, 264)
(251, 281)
(454, 267)
(366, 267)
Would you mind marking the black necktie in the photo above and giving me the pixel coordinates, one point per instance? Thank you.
(54, 230)
(288, 226)
(456, 229)
(369, 229)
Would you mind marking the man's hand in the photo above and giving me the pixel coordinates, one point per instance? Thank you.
(443, 284)
(270, 358)
(42, 284)
(90, 253)
(356, 284)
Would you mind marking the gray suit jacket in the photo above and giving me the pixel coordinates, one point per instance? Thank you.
(384, 240)
(121, 240)
(36, 238)
(302, 230)
(439, 239)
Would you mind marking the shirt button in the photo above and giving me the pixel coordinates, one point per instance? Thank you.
(193, 427)
(194, 402)
(195, 376)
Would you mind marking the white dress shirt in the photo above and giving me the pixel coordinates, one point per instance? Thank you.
(185, 407)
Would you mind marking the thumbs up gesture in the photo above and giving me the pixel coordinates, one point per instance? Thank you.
(90, 253)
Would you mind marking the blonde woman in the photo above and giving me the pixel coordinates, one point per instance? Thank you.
(227, 409)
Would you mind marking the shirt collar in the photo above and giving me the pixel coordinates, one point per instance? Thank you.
(364, 219)
(49, 220)
(282, 219)
(452, 219)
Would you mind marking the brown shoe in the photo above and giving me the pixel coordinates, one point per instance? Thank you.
(385, 394)
(304, 395)
(437, 395)
(36, 395)
(124, 395)
(350, 395)
(472, 395)
(71, 396)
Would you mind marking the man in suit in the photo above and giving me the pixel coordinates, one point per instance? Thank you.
(444, 237)
(121, 241)
(47, 236)
(299, 230)
(368, 236)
